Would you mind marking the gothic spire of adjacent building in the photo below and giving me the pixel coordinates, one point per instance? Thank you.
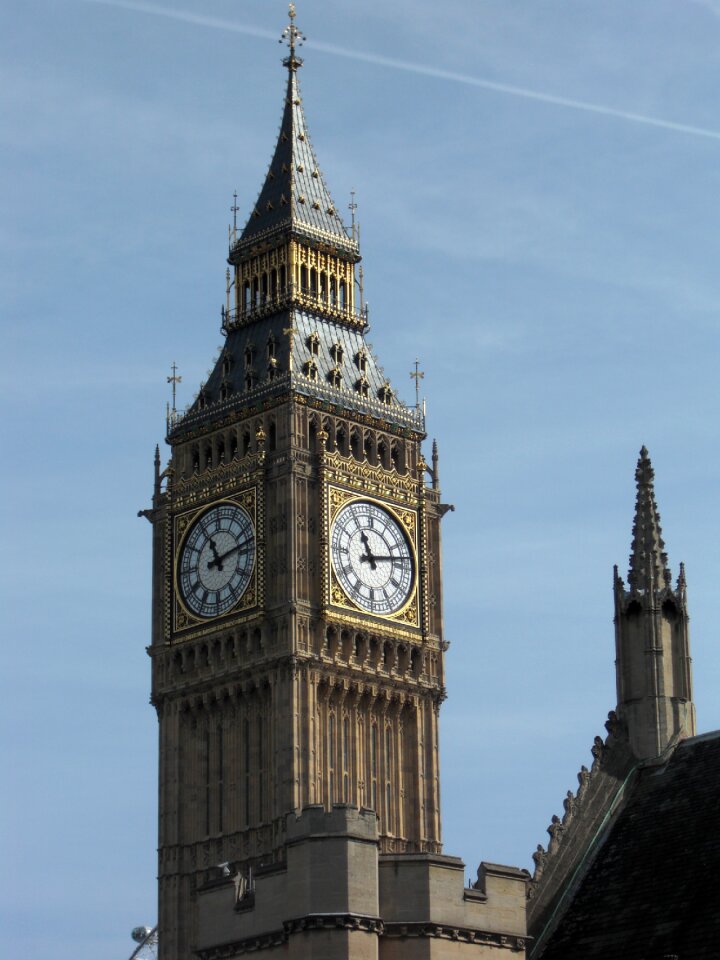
(652, 663)
(294, 198)
(648, 560)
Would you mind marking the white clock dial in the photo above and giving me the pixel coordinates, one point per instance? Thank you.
(372, 558)
(217, 560)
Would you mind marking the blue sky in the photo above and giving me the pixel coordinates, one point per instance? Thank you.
(553, 265)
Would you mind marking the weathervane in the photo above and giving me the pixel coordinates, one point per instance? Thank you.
(174, 380)
(417, 376)
(293, 38)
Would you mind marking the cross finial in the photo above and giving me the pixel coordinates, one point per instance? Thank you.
(293, 38)
(174, 380)
(234, 211)
(417, 375)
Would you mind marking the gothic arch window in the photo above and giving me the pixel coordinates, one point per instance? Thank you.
(355, 446)
(388, 778)
(343, 295)
(340, 440)
(335, 377)
(249, 354)
(382, 452)
(310, 369)
(362, 387)
(333, 291)
(283, 280)
(247, 296)
(323, 285)
(313, 282)
(313, 344)
(233, 445)
(246, 443)
(272, 368)
(272, 436)
(332, 747)
(346, 758)
(304, 287)
(264, 288)
(274, 283)
(226, 364)
(271, 346)
(374, 767)
(249, 380)
(255, 291)
(312, 434)
(336, 352)
(221, 450)
(361, 360)
(225, 390)
(395, 456)
(202, 399)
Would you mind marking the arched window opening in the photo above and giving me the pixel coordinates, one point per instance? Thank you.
(331, 758)
(246, 443)
(249, 355)
(283, 280)
(383, 454)
(361, 360)
(355, 446)
(313, 344)
(343, 295)
(313, 282)
(272, 436)
(312, 435)
(247, 297)
(310, 369)
(335, 377)
(249, 380)
(333, 291)
(271, 347)
(304, 286)
(346, 759)
(233, 445)
(362, 387)
(340, 440)
(255, 291)
(221, 451)
(395, 456)
(274, 283)
(264, 288)
(323, 285)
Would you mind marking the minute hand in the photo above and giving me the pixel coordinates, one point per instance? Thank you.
(375, 556)
(217, 562)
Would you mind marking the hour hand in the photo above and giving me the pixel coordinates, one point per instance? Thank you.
(217, 559)
(368, 557)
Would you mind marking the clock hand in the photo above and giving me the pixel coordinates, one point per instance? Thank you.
(368, 558)
(381, 557)
(217, 562)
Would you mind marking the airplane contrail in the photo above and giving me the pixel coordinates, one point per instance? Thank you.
(216, 23)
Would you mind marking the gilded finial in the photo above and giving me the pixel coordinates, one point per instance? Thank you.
(293, 38)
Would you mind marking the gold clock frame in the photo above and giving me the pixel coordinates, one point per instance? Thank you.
(184, 619)
(407, 519)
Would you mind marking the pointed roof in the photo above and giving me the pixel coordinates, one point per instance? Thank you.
(648, 560)
(294, 197)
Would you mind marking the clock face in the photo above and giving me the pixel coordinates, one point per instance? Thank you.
(217, 560)
(372, 558)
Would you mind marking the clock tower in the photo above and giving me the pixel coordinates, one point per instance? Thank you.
(297, 637)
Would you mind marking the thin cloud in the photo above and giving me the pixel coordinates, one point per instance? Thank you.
(584, 106)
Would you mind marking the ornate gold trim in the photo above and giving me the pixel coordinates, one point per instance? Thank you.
(182, 618)
(336, 498)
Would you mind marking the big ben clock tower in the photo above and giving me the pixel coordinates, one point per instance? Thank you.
(297, 648)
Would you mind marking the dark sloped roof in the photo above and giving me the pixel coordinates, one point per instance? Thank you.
(652, 890)
(294, 196)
